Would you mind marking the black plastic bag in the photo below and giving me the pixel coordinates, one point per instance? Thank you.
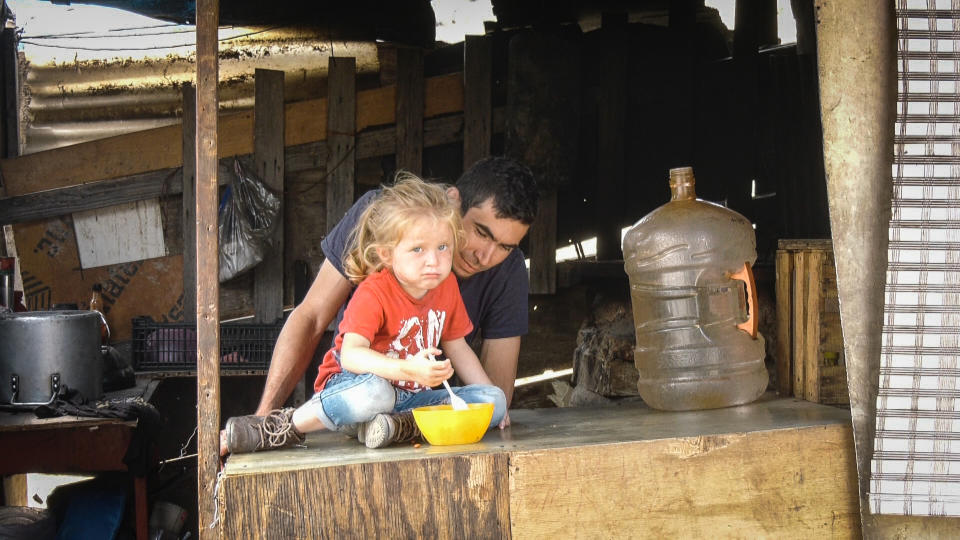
(247, 217)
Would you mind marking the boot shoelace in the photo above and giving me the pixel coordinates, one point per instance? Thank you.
(277, 429)
(406, 428)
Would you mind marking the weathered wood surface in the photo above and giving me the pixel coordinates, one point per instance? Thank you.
(784, 294)
(268, 158)
(441, 497)
(477, 99)
(341, 138)
(791, 483)
(208, 284)
(160, 148)
(188, 210)
(543, 244)
(297, 159)
(777, 467)
(410, 100)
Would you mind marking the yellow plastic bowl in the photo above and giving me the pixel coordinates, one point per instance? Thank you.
(441, 425)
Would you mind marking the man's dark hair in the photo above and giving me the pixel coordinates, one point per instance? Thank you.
(509, 182)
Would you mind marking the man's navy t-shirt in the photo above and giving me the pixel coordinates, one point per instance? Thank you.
(496, 299)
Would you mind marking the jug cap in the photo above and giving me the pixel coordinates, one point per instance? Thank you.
(682, 184)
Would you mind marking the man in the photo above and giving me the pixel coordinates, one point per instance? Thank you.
(498, 199)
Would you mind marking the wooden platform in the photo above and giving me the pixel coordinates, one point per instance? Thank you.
(779, 468)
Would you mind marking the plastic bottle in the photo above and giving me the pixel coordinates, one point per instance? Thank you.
(96, 304)
(694, 303)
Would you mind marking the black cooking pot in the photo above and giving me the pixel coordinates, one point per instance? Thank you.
(44, 352)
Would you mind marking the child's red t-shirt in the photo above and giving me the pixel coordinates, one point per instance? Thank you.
(397, 324)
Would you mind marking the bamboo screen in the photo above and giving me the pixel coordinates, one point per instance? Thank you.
(916, 461)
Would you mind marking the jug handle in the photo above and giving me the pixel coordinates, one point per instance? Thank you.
(745, 275)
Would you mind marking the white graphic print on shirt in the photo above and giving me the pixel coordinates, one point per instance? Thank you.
(410, 340)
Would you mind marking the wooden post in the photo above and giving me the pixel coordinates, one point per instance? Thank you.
(477, 108)
(268, 145)
(189, 209)
(612, 138)
(341, 137)
(784, 293)
(543, 245)
(11, 93)
(410, 100)
(208, 285)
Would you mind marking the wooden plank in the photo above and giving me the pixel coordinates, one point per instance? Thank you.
(784, 299)
(188, 174)
(795, 244)
(477, 99)
(450, 497)
(268, 156)
(799, 316)
(788, 483)
(543, 245)
(11, 93)
(208, 284)
(15, 490)
(341, 139)
(612, 136)
(811, 325)
(159, 148)
(372, 143)
(410, 102)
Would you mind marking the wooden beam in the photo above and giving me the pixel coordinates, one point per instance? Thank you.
(341, 137)
(159, 148)
(189, 210)
(269, 161)
(165, 182)
(477, 107)
(410, 100)
(11, 93)
(543, 245)
(208, 285)
(612, 135)
(784, 296)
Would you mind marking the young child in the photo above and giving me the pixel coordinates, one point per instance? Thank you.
(406, 311)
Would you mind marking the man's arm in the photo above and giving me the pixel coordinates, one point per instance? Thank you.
(499, 359)
(301, 334)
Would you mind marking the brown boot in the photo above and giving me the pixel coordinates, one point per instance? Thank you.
(252, 433)
(385, 429)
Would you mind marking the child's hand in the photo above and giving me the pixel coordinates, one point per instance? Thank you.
(427, 371)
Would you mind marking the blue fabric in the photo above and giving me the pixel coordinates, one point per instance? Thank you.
(349, 398)
(93, 513)
(496, 299)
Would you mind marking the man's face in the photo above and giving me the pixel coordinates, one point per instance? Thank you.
(487, 240)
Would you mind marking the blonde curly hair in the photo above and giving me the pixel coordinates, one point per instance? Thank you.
(396, 208)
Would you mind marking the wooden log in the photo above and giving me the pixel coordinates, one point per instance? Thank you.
(268, 157)
(159, 148)
(477, 99)
(208, 284)
(800, 284)
(410, 100)
(188, 206)
(341, 138)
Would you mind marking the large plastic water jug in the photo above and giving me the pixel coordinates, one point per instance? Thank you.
(694, 303)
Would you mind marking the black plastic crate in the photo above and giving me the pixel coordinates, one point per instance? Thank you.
(173, 346)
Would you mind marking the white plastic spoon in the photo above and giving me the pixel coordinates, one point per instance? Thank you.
(456, 401)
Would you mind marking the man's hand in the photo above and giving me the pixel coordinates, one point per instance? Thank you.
(223, 443)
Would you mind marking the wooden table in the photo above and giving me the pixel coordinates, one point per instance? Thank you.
(74, 444)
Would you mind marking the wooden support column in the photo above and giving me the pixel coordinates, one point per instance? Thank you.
(542, 127)
(341, 137)
(208, 285)
(477, 107)
(612, 132)
(268, 145)
(410, 100)
(189, 208)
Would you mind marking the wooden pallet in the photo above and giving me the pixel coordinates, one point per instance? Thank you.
(810, 359)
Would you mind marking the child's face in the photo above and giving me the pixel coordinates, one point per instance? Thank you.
(423, 257)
